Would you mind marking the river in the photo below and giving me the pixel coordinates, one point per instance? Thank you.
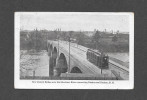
(121, 56)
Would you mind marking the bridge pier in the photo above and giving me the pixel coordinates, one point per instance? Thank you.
(51, 67)
(49, 52)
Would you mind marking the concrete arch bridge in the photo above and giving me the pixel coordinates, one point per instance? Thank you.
(71, 61)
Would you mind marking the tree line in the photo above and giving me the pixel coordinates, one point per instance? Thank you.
(37, 39)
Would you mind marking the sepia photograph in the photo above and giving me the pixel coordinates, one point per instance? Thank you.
(74, 50)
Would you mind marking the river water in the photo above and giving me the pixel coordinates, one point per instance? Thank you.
(121, 56)
(34, 63)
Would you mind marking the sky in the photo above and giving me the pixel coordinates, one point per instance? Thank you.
(74, 21)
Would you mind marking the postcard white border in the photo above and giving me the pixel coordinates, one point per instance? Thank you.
(103, 84)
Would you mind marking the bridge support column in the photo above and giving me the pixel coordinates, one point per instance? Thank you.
(49, 52)
(51, 67)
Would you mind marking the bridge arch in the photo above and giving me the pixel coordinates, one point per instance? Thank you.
(75, 70)
(54, 56)
(62, 66)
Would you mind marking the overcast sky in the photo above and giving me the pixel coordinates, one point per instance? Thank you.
(74, 21)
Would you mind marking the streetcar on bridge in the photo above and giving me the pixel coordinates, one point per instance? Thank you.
(98, 59)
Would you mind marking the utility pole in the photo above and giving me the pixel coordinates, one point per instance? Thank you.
(102, 55)
(69, 53)
(70, 34)
(57, 37)
(35, 40)
(58, 45)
